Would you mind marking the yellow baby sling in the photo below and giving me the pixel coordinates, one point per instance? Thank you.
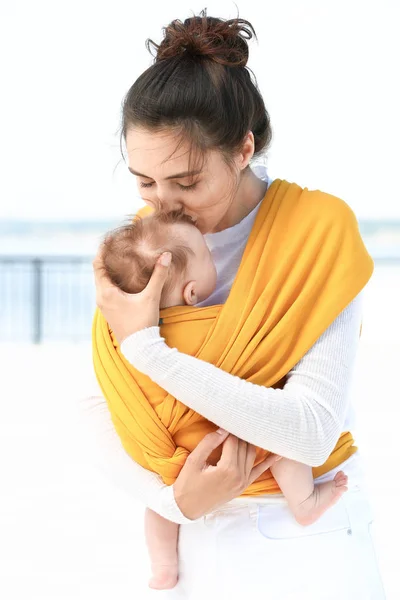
(304, 262)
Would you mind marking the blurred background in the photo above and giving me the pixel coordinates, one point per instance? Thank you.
(329, 75)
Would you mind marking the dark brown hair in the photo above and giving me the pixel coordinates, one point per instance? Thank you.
(199, 85)
(131, 251)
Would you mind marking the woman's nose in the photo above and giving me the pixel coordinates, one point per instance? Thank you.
(168, 201)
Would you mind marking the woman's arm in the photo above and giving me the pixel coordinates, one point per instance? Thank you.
(199, 488)
(302, 422)
(110, 457)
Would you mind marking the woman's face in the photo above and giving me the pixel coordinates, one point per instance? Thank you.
(164, 181)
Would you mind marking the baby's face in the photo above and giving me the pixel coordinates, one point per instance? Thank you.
(201, 268)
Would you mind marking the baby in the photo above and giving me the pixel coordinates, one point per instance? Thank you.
(130, 253)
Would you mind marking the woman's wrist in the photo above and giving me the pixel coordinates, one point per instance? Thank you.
(185, 506)
(169, 508)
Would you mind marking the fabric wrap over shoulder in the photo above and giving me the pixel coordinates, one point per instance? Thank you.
(304, 262)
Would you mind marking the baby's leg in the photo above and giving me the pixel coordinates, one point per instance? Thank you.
(162, 543)
(306, 500)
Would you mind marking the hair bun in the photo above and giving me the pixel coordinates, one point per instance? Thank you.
(223, 41)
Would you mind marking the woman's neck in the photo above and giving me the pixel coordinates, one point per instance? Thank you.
(250, 192)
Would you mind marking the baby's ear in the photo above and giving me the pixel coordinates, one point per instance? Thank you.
(189, 293)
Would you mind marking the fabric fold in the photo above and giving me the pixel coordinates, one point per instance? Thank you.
(304, 262)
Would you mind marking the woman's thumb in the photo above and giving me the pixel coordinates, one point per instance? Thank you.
(165, 259)
(160, 274)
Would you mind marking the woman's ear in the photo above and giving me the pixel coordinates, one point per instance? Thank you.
(189, 293)
(247, 151)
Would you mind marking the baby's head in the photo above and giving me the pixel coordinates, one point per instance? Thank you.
(131, 251)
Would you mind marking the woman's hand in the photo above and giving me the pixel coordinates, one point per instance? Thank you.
(128, 313)
(200, 487)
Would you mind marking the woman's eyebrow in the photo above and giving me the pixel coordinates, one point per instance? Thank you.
(176, 176)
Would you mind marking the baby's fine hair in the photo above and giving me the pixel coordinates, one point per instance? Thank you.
(131, 251)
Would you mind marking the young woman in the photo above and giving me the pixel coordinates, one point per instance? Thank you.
(192, 124)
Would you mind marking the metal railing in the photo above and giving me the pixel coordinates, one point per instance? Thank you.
(50, 298)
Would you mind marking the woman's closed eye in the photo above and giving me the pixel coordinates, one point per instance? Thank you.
(182, 187)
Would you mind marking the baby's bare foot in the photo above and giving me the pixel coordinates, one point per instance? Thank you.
(323, 497)
(164, 577)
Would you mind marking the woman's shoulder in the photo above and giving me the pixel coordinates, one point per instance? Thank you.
(313, 206)
(327, 204)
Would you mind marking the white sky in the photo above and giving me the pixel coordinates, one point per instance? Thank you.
(329, 73)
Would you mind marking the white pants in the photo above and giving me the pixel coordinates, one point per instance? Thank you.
(252, 549)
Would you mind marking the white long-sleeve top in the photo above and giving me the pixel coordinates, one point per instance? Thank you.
(302, 421)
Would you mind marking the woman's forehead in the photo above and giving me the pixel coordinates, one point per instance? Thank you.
(161, 154)
(162, 149)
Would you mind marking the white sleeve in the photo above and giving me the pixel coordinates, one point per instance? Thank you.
(302, 422)
(109, 456)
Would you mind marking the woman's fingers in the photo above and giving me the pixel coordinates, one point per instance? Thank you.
(250, 458)
(242, 456)
(229, 455)
(204, 448)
